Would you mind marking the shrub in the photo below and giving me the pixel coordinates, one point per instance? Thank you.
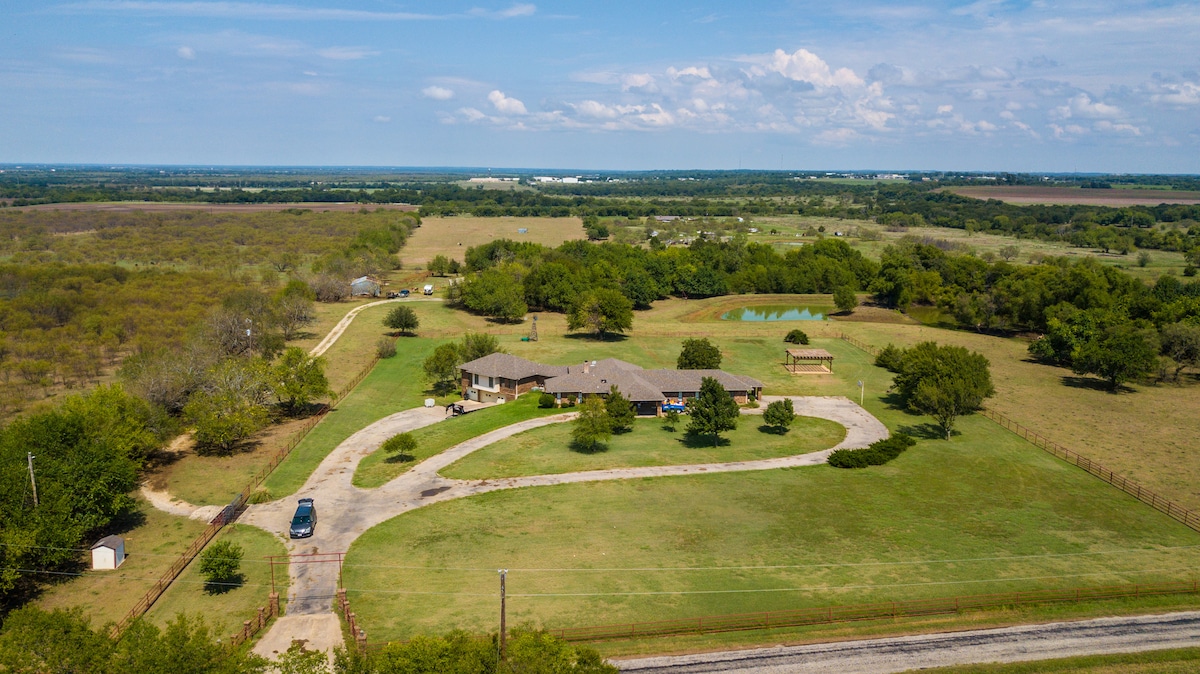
(891, 358)
(403, 319)
(671, 420)
(779, 415)
(877, 454)
(220, 564)
(546, 401)
(796, 336)
(402, 445)
(385, 347)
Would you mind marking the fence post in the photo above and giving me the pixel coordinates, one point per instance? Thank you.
(274, 603)
(262, 617)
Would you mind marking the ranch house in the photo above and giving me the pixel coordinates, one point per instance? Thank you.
(504, 376)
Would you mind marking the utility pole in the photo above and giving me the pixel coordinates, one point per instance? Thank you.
(29, 456)
(861, 392)
(503, 575)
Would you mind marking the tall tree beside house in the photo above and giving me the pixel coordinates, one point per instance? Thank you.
(601, 311)
(441, 367)
(592, 426)
(476, 345)
(712, 411)
(699, 354)
(620, 411)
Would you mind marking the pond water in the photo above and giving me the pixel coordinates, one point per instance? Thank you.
(777, 313)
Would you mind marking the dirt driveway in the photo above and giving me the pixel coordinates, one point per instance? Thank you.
(347, 511)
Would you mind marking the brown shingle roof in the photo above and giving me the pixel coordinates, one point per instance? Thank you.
(508, 366)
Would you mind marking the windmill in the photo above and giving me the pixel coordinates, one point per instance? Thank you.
(533, 330)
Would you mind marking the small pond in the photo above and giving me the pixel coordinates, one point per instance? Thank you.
(782, 312)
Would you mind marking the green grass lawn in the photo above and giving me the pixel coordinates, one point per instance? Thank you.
(225, 611)
(395, 384)
(153, 541)
(379, 467)
(547, 450)
(983, 512)
(1176, 661)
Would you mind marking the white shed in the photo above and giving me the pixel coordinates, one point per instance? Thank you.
(108, 553)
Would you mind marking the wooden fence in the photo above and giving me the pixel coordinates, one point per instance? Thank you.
(857, 612)
(256, 625)
(1188, 517)
(235, 507)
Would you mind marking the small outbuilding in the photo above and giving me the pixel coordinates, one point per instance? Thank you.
(365, 285)
(108, 553)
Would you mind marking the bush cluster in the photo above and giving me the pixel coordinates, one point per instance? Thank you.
(877, 454)
(796, 336)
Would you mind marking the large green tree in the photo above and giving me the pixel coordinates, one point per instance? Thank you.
(698, 354)
(1117, 354)
(592, 424)
(495, 293)
(601, 311)
(621, 412)
(944, 382)
(712, 411)
(1181, 343)
(221, 564)
(299, 379)
(441, 367)
(403, 319)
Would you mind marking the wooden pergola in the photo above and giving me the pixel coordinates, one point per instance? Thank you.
(809, 361)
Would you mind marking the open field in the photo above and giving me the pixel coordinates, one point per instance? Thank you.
(547, 450)
(1008, 515)
(1180, 661)
(1022, 194)
(153, 541)
(225, 611)
(452, 236)
(380, 467)
(791, 234)
(167, 207)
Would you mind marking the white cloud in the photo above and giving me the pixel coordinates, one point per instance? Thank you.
(805, 66)
(472, 114)
(506, 105)
(691, 71)
(1082, 105)
(186, 53)
(1187, 93)
(1109, 127)
(657, 117)
(381, 119)
(437, 93)
(637, 81)
(840, 136)
(346, 53)
(596, 109)
(945, 109)
(278, 12)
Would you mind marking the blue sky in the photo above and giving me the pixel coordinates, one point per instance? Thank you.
(989, 85)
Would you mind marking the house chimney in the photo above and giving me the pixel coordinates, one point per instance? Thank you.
(587, 367)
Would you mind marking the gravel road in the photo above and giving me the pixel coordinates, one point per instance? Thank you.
(901, 654)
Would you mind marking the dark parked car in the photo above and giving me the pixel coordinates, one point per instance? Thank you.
(304, 520)
(404, 293)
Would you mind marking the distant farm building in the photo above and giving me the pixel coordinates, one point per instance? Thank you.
(365, 285)
(108, 553)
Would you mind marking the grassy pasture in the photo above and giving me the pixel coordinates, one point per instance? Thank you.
(225, 611)
(547, 450)
(153, 541)
(791, 234)
(1003, 509)
(379, 467)
(452, 236)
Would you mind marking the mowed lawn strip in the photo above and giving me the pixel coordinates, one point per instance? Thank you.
(548, 450)
(380, 467)
(224, 612)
